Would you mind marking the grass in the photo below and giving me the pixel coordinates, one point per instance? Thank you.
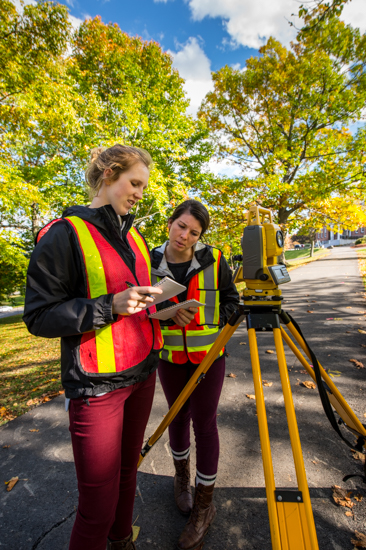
(361, 253)
(14, 301)
(296, 258)
(29, 369)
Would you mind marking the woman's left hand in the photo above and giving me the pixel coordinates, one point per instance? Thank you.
(185, 316)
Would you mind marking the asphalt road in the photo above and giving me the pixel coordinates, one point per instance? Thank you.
(39, 512)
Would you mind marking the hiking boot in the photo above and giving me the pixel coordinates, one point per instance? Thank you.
(125, 544)
(182, 486)
(202, 515)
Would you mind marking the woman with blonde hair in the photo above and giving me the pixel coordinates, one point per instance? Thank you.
(89, 283)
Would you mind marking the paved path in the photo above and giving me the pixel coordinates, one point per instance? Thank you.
(38, 513)
(15, 311)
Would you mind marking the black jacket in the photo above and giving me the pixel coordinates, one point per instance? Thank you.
(56, 303)
(203, 257)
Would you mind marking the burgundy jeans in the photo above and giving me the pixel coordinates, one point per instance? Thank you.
(107, 437)
(201, 407)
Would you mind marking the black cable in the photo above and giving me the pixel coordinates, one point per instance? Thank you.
(326, 403)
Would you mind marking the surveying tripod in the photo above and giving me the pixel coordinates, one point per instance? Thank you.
(290, 514)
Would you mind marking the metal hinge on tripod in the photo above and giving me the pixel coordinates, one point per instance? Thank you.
(288, 496)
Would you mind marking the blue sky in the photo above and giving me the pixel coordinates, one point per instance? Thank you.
(169, 23)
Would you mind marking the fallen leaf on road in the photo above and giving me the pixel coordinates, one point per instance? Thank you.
(310, 311)
(362, 331)
(329, 318)
(250, 396)
(363, 312)
(358, 497)
(269, 351)
(231, 375)
(266, 383)
(10, 484)
(308, 384)
(348, 307)
(357, 364)
(135, 532)
(340, 497)
(34, 430)
(360, 541)
(349, 514)
(358, 456)
(303, 371)
(6, 446)
(242, 344)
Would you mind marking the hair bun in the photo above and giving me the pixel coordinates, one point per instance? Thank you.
(94, 154)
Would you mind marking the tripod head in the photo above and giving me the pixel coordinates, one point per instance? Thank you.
(262, 242)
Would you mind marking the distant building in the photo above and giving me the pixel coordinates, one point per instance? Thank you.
(327, 237)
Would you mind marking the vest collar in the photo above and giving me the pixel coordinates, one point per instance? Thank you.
(163, 270)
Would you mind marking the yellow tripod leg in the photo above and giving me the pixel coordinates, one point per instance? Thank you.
(265, 443)
(296, 518)
(336, 398)
(220, 342)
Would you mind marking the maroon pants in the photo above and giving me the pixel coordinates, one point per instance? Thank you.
(201, 407)
(107, 437)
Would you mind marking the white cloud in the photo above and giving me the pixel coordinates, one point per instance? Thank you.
(354, 13)
(250, 23)
(194, 66)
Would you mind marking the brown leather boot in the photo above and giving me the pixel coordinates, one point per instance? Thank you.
(125, 544)
(202, 515)
(182, 486)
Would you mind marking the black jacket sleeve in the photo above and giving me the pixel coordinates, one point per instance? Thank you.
(229, 296)
(56, 302)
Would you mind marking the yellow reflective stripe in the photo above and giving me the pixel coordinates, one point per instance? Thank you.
(142, 247)
(216, 254)
(202, 297)
(97, 287)
(171, 332)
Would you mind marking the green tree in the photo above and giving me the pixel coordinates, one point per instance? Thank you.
(284, 121)
(142, 103)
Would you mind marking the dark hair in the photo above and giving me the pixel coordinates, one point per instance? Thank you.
(118, 158)
(196, 209)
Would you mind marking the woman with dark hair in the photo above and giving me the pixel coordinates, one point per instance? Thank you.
(187, 339)
(77, 290)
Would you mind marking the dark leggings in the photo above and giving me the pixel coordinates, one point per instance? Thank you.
(201, 407)
(107, 437)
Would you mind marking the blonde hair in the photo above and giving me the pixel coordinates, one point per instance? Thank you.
(118, 158)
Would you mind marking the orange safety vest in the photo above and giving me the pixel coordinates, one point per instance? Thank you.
(194, 341)
(121, 345)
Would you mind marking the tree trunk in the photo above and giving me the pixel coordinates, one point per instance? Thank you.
(312, 235)
(36, 221)
(282, 220)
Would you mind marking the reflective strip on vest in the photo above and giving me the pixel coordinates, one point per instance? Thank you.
(97, 287)
(142, 247)
(201, 338)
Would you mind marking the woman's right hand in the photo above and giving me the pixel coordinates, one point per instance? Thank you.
(135, 299)
(184, 316)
